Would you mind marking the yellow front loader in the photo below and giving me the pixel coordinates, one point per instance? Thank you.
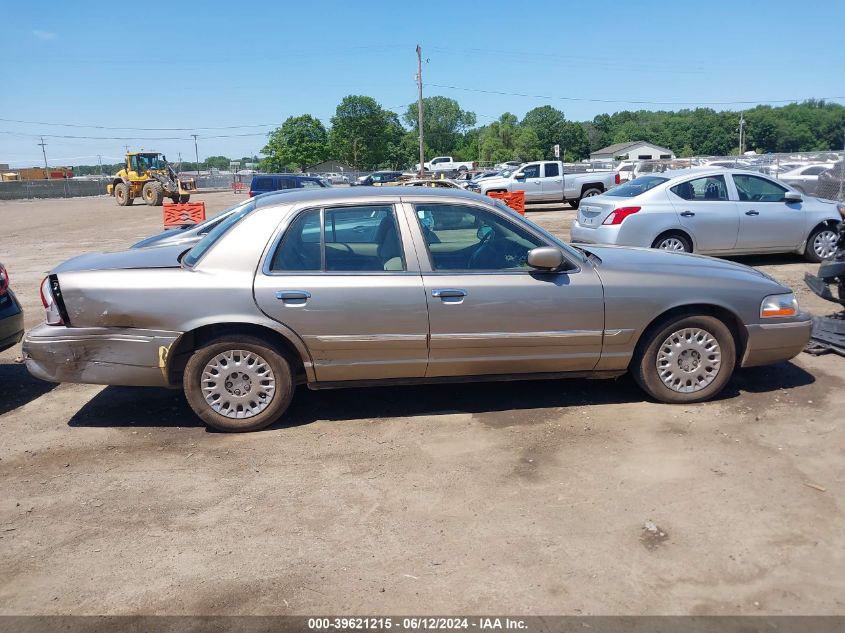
(148, 175)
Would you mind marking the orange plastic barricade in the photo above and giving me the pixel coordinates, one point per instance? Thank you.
(514, 199)
(183, 214)
(237, 187)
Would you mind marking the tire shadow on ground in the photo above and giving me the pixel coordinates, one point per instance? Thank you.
(150, 407)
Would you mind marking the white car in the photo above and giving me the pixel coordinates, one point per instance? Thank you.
(336, 179)
(711, 211)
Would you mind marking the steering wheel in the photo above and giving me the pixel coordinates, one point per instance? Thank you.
(497, 253)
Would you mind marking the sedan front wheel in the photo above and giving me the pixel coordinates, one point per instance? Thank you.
(689, 359)
(238, 383)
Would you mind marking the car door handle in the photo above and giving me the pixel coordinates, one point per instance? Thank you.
(293, 295)
(687, 214)
(752, 212)
(446, 293)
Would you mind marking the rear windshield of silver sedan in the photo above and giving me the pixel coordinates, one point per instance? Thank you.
(636, 186)
(201, 247)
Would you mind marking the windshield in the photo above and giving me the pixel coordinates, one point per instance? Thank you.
(636, 186)
(201, 247)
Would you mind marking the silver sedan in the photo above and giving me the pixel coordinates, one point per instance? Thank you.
(711, 211)
(335, 288)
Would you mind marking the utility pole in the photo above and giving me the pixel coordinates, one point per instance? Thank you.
(44, 151)
(197, 154)
(100, 163)
(126, 149)
(741, 131)
(420, 108)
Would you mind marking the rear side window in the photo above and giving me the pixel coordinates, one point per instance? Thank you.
(702, 189)
(551, 170)
(354, 239)
(262, 184)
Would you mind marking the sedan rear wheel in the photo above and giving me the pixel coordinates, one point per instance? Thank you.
(689, 359)
(238, 384)
(673, 242)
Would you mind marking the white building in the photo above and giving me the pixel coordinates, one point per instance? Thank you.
(634, 150)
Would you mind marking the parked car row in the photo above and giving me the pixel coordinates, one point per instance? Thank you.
(11, 315)
(332, 287)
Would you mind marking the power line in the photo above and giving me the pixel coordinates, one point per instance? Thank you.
(682, 103)
(141, 129)
(131, 138)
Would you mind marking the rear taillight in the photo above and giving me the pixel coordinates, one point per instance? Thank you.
(618, 178)
(617, 215)
(4, 280)
(51, 306)
(251, 193)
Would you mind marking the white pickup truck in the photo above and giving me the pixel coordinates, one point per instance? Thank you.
(445, 163)
(545, 181)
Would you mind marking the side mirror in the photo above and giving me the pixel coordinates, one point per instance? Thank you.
(519, 176)
(545, 258)
(793, 196)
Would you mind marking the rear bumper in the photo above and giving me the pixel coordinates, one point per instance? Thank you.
(775, 342)
(594, 234)
(11, 321)
(100, 356)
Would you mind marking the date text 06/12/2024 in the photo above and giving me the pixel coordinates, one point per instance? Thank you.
(415, 623)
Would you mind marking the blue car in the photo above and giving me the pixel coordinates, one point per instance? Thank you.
(277, 182)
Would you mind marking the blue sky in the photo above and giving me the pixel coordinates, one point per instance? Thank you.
(217, 64)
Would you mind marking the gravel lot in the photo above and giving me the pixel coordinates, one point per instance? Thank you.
(524, 498)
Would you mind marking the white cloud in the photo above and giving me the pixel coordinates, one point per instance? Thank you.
(44, 35)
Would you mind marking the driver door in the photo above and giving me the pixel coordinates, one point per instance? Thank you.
(489, 313)
(529, 179)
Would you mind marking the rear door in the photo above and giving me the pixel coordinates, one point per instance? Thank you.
(707, 213)
(552, 184)
(766, 221)
(343, 279)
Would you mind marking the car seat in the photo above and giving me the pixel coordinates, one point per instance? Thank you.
(389, 249)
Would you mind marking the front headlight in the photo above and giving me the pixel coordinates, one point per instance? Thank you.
(775, 306)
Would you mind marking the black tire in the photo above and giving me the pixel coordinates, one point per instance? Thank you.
(462, 168)
(175, 199)
(662, 242)
(152, 193)
(646, 373)
(810, 253)
(574, 203)
(589, 193)
(185, 197)
(267, 412)
(121, 195)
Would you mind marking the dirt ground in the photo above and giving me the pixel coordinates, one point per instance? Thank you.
(562, 497)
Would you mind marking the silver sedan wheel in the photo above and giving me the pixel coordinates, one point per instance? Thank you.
(238, 384)
(689, 360)
(824, 244)
(671, 244)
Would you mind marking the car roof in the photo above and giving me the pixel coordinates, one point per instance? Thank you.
(328, 196)
(700, 172)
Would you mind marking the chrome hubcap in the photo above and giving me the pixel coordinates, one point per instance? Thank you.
(238, 384)
(825, 244)
(671, 244)
(689, 360)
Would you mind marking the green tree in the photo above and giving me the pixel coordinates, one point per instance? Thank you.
(360, 132)
(444, 123)
(300, 141)
(217, 162)
(548, 124)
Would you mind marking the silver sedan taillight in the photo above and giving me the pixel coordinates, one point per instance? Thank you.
(54, 316)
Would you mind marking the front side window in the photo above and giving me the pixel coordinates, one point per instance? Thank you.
(311, 184)
(531, 171)
(756, 189)
(461, 238)
(708, 188)
(815, 170)
(552, 170)
(357, 239)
